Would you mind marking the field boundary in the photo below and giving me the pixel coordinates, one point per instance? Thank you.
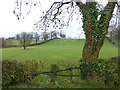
(54, 73)
(12, 46)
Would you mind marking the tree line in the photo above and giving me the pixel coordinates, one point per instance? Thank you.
(26, 38)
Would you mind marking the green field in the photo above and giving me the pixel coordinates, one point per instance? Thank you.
(63, 52)
(56, 50)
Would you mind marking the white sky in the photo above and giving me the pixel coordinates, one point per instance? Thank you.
(10, 26)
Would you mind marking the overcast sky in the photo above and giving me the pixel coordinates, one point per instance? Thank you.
(10, 26)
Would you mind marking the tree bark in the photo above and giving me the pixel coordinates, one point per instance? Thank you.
(94, 27)
(90, 51)
(95, 30)
(24, 47)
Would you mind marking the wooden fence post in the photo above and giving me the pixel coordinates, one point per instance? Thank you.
(54, 67)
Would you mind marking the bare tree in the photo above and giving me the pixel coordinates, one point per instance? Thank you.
(25, 39)
(17, 37)
(45, 36)
(37, 36)
(62, 34)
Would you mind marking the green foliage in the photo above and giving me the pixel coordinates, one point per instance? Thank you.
(19, 71)
(44, 81)
(96, 28)
(106, 70)
(88, 67)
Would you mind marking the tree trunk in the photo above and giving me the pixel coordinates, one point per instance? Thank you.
(90, 51)
(95, 30)
(36, 41)
(24, 47)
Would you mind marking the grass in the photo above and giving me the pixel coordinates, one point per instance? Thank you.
(63, 52)
(67, 84)
(56, 50)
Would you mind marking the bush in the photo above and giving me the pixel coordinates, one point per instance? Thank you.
(106, 70)
(19, 71)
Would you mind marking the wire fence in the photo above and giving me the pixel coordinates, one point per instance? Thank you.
(54, 72)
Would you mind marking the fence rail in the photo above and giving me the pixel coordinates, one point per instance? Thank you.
(54, 72)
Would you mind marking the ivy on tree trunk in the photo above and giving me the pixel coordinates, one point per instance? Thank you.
(95, 28)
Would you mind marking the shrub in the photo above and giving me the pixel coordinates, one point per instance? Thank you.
(106, 70)
(19, 71)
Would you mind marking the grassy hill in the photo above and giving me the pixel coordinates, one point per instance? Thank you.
(65, 53)
(57, 50)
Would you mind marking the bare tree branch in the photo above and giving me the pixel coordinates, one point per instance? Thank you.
(56, 71)
(52, 16)
(81, 5)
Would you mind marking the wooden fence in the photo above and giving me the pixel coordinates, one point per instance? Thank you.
(55, 69)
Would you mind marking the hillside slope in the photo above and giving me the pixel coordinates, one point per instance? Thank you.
(56, 50)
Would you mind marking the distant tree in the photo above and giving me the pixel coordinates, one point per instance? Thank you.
(17, 37)
(54, 34)
(45, 36)
(31, 35)
(25, 39)
(36, 37)
(11, 38)
(62, 34)
(51, 34)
